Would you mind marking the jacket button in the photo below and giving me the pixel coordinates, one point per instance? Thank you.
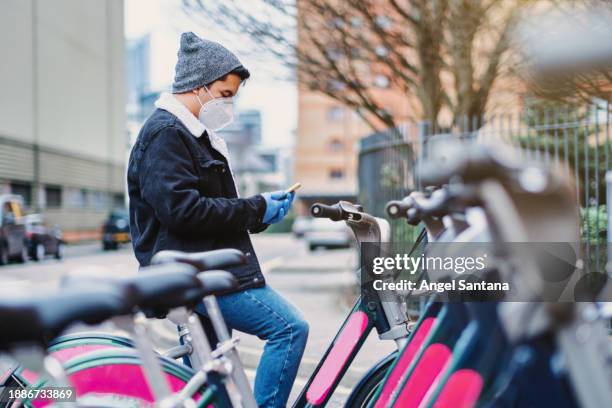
(248, 254)
(222, 170)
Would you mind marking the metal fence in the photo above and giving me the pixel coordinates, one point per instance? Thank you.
(576, 139)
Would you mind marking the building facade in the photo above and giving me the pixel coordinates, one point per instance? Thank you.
(62, 109)
(328, 133)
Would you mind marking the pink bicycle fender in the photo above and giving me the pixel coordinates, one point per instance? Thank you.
(337, 358)
(461, 390)
(63, 356)
(404, 362)
(429, 367)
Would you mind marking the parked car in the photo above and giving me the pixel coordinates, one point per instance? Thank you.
(324, 233)
(300, 226)
(12, 230)
(43, 240)
(116, 230)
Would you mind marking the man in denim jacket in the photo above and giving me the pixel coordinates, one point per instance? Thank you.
(183, 197)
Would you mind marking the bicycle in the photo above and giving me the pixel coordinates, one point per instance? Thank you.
(146, 376)
(369, 312)
(469, 370)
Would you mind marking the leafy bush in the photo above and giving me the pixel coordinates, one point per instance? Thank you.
(594, 236)
(594, 227)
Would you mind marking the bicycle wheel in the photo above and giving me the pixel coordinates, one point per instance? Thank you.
(114, 377)
(365, 390)
(67, 347)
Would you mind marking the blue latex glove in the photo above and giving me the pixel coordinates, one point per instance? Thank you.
(278, 204)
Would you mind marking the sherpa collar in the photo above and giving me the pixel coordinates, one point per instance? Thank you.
(169, 103)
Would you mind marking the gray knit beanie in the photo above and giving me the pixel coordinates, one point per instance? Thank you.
(201, 62)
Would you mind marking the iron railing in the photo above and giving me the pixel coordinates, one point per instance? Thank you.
(576, 139)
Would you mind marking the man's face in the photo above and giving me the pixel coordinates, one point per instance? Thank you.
(225, 88)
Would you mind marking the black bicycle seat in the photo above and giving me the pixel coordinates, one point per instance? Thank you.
(43, 318)
(216, 259)
(217, 282)
(164, 287)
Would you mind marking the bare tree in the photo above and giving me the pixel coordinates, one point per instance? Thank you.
(443, 54)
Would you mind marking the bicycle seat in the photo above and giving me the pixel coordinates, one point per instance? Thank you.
(217, 282)
(41, 319)
(164, 287)
(216, 259)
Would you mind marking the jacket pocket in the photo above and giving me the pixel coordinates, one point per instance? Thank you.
(212, 174)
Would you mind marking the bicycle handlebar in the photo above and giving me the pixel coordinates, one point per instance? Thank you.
(333, 212)
(435, 206)
(399, 208)
(415, 207)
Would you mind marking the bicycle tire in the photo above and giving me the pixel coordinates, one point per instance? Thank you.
(368, 385)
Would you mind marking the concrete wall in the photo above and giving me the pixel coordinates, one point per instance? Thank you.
(62, 75)
(62, 105)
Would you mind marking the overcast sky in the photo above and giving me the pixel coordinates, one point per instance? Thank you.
(165, 20)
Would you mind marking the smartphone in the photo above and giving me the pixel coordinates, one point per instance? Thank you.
(293, 188)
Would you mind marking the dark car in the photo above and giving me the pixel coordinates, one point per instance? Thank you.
(116, 230)
(42, 240)
(12, 230)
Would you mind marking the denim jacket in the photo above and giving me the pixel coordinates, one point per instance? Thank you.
(183, 197)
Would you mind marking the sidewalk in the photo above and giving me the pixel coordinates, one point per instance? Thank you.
(336, 260)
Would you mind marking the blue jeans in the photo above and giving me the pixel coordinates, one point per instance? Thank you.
(265, 314)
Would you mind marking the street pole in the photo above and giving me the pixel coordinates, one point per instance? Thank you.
(609, 211)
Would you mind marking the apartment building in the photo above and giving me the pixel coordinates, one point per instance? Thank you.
(326, 148)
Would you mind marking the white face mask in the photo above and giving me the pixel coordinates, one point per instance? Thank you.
(216, 113)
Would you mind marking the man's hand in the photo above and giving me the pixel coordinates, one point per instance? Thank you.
(278, 204)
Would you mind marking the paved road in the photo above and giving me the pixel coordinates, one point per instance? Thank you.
(320, 284)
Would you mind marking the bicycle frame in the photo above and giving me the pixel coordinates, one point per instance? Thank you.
(369, 312)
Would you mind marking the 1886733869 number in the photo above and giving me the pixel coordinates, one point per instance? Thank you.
(57, 394)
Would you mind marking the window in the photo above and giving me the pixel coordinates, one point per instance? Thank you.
(381, 51)
(335, 85)
(383, 22)
(381, 81)
(53, 196)
(23, 189)
(99, 199)
(333, 53)
(337, 22)
(118, 200)
(336, 145)
(336, 173)
(75, 197)
(335, 114)
(356, 22)
(83, 197)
